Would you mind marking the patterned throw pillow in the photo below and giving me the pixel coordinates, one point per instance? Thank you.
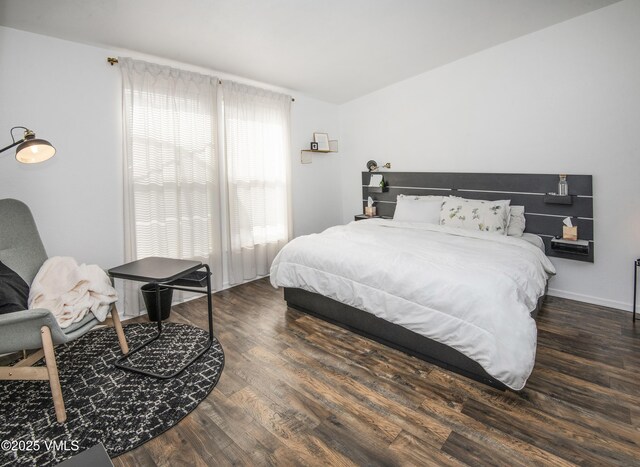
(517, 221)
(470, 214)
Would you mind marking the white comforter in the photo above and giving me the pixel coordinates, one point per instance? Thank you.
(472, 291)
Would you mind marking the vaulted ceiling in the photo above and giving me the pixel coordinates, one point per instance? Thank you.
(335, 50)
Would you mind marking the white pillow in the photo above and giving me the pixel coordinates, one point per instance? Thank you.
(469, 214)
(424, 209)
(517, 221)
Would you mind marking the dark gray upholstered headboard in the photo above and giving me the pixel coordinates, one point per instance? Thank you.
(544, 218)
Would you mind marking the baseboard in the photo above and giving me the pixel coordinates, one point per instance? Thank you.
(622, 306)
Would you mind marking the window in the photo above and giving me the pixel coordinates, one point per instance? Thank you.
(178, 201)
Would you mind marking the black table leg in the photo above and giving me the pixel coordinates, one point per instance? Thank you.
(119, 362)
(635, 286)
(158, 309)
(209, 302)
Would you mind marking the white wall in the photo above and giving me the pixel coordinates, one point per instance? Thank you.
(562, 100)
(69, 95)
(317, 197)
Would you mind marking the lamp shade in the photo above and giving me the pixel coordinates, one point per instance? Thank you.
(34, 150)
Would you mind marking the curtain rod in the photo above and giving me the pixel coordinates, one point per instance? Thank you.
(113, 60)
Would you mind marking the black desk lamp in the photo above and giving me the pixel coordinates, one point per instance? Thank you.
(30, 150)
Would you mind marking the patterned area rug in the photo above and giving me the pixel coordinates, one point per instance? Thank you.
(104, 404)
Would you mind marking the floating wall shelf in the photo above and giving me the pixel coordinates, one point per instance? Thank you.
(558, 199)
(305, 154)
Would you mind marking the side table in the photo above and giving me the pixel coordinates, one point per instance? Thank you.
(177, 274)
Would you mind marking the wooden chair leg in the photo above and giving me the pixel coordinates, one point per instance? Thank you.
(119, 331)
(52, 369)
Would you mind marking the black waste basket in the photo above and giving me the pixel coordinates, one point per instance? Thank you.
(149, 295)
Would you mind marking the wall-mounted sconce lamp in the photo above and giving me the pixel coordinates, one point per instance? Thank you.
(30, 150)
(373, 166)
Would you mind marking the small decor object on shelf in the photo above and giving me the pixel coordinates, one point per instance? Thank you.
(377, 184)
(314, 146)
(569, 231)
(370, 209)
(563, 186)
(376, 180)
(323, 141)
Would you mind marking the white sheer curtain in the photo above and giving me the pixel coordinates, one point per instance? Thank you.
(257, 150)
(171, 179)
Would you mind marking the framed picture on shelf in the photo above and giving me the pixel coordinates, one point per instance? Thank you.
(323, 141)
(314, 146)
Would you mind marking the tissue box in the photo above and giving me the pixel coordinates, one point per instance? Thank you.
(569, 233)
(370, 211)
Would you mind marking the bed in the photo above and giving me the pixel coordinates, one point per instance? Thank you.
(461, 299)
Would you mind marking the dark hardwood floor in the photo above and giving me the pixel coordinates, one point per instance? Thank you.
(296, 390)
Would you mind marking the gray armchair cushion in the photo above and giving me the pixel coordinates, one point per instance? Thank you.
(21, 330)
(20, 246)
(21, 250)
(14, 291)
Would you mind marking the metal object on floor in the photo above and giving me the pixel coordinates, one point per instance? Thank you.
(177, 274)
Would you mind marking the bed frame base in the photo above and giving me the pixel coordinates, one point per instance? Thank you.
(389, 334)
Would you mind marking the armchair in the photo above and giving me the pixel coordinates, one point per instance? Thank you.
(22, 250)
